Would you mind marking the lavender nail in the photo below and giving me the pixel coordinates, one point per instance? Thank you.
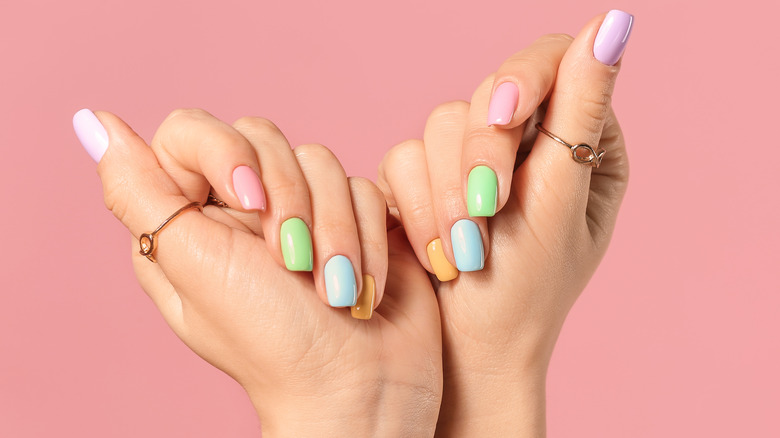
(613, 36)
(91, 133)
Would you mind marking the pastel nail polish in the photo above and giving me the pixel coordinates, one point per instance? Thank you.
(248, 188)
(441, 266)
(467, 246)
(613, 36)
(364, 308)
(340, 284)
(296, 245)
(91, 133)
(482, 192)
(503, 103)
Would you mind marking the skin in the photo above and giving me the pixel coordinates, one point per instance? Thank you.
(485, 342)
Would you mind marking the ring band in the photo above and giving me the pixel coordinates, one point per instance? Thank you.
(147, 241)
(213, 200)
(593, 157)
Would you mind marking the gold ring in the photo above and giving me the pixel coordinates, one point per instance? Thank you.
(581, 153)
(213, 200)
(147, 241)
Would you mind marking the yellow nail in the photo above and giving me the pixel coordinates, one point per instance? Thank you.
(441, 266)
(365, 305)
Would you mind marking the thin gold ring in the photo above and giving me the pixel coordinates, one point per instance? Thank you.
(591, 156)
(147, 241)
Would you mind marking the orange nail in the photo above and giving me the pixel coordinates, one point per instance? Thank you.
(364, 308)
(441, 266)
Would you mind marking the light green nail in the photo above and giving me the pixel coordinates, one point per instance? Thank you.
(296, 245)
(482, 192)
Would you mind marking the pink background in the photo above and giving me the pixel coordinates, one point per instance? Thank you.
(677, 334)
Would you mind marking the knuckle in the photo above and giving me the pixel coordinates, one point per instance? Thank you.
(403, 152)
(593, 109)
(258, 126)
(186, 114)
(556, 38)
(480, 136)
(448, 110)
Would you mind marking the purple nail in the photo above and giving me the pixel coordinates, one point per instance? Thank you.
(612, 37)
(91, 133)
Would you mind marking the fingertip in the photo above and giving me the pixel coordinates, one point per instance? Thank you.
(91, 133)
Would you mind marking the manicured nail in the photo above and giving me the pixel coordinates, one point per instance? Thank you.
(467, 246)
(248, 188)
(365, 305)
(91, 133)
(482, 192)
(613, 36)
(503, 104)
(340, 283)
(296, 245)
(441, 266)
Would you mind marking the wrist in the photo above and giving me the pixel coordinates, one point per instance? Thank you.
(382, 410)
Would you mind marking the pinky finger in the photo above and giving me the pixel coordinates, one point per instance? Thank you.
(368, 204)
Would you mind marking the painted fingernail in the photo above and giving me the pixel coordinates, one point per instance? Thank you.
(613, 36)
(340, 284)
(91, 133)
(296, 245)
(482, 192)
(467, 246)
(503, 104)
(248, 188)
(441, 266)
(365, 305)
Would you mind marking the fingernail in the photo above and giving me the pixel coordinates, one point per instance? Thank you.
(503, 104)
(441, 266)
(467, 246)
(296, 245)
(91, 133)
(613, 36)
(482, 192)
(248, 188)
(364, 308)
(340, 284)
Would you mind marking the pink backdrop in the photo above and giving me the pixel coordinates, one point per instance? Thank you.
(677, 334)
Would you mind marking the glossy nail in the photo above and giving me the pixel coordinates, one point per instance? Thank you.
(502, 104)
(613, 36)
(340, 284)
(482, 192)
(91, 133)
(441, 266)
(296, 245)
(467, 246)
(248, 188)
(364, 308)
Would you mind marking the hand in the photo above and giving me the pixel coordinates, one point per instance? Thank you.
(222, 285)
(551, 220)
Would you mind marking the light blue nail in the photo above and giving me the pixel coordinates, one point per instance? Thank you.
(467, 246)
(340, 284)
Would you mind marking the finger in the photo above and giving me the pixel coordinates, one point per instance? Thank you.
(368, 205)
(200, 151)
(523, 81)
(337, 261)
(288, 213)
(577, 110)
(403, 177)
(489, 151)
(608, 183)
(463, 240)
(142, 195)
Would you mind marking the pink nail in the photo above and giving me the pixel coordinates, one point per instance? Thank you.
(503, 104)
(91, 133)
(249, 189)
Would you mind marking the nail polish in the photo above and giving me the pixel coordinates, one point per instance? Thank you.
(248, 188)
(91, 133)
(503, 103)
(296, 245)
(441, 266)
(612, 37)
(482, 192)
(364, 308)
(340, 284)
(467, 246)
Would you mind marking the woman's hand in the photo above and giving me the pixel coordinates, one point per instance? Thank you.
(551, 219)
(225, 279)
